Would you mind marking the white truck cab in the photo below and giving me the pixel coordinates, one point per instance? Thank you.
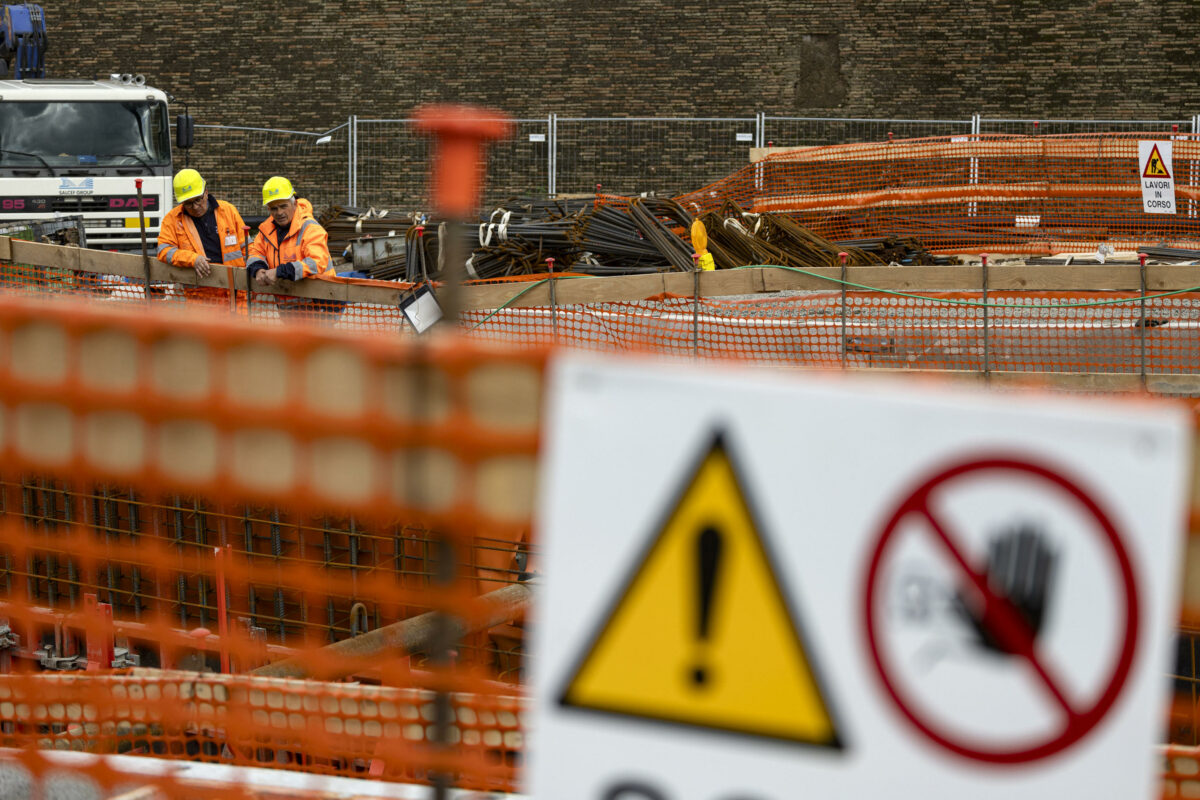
(75, 147)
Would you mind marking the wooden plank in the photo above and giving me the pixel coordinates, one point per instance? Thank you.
(44, 255)
(333, 290)
(778, 280)
(630, 288)
(1094, 277)
(717, 283)
(1005, 277)
(1174, 384)
(1070, 381)
(130, 266)
(626, 288)
(1160, 383)
(901, 279)
(760, 153)
(516, 295)
(1171, 277)
(731, 282)
(948, 278)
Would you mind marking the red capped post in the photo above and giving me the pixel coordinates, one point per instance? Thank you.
(461, 134)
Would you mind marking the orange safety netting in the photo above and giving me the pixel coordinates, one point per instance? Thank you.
(199, 492)
(216, 495)
(992, 192)
(260, 306)
(1046, 332)
(276, 609)
(1022, 332)
(1181, 771)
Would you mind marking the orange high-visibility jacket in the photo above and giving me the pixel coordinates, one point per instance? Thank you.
(179, 241)
(303, 253)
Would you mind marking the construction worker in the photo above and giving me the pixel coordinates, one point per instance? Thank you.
(291, 245)
(201, 230)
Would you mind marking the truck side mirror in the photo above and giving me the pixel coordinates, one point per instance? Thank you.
(185, 131)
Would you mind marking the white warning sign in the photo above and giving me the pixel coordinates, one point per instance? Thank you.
(763, 588)
(1157, 176)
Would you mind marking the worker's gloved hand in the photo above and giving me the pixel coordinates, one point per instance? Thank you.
(203, 268)
(291, 271)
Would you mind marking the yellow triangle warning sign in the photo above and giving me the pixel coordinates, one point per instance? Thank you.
(1155, 166)
(702, 635)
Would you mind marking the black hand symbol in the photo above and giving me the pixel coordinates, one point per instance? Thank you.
(1020, 569)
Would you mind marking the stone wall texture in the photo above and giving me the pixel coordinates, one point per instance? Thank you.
(308, 65)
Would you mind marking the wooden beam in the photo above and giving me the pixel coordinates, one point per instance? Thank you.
(75, 259)
(413, 635)
(629, 288)
(1158, 383)
(1003, 277)
(623, 288)
(758, 280)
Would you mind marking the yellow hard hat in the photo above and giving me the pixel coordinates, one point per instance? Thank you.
(188, 184)
(277, 188)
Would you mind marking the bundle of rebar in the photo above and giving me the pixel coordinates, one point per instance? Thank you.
(587, 239)
(651, 215)
(531, 236)
(897, 250)
(608, 238)
(738, 238)
(344, 224)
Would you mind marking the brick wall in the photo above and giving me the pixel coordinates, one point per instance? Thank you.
(307, 65)
(313, 63)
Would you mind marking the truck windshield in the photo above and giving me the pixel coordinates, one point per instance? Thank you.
(83, 134)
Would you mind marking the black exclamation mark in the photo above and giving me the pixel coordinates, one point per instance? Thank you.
(708, 560)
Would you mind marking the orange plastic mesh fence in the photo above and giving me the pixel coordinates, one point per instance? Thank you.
(1029, 331)
(966, 193)
(211, 493)
(52, 575)
(360, 730)
(195, 490)
(261, 306)
(1022, 332)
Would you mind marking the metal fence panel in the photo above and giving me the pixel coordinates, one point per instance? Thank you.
(236, 161)
(662, 154)
(816, 131)
(1047, 127)
(385, 162)
(392, 164)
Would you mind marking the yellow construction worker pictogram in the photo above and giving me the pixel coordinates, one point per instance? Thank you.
(1155, 166)
(702, 634)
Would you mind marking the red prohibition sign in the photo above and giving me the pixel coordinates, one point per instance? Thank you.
(1001, 618)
